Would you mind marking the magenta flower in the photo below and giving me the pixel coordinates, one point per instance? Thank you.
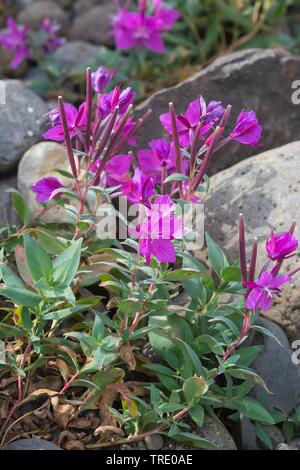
(187, 123)
(137, 29)
(45, 187)
(158, 230)
(247, 130)
(51, 41)
(166, 17)
(115, 171)
(130, 124)
(75, 119)
(117, 97)
(139, 189)
(102, 78)
(15, 39)
(280, 247)
(159, 155)
(263, 291)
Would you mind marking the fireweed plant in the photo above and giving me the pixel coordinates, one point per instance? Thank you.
(196, 319)
(27, 45)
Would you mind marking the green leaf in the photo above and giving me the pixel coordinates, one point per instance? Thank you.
(216, 256)
(288, 430)
(195, 441)
(47, 241)
(252, 409)
(211, 343)
(66, 264)
(38, 261)
(266, 332)
(197, 414)
(194, 388)
(232, 274)
(20, 296)
(21, 206)
(66, 313)
(264, 436)
(130, 306)
(9, 277)
(9, 330)
(176, 177)
(182, 275)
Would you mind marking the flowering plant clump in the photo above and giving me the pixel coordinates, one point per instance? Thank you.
(124, 333)
(27, 45)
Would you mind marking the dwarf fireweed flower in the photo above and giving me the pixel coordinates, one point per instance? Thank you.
(52, 41)
(116, 171)
(263, 291)
(45, 187)
(187, 123)
(280, 247)
(102, 78)
(15, 39)
(160, 154)
(139, 189)
(158, 230)
(75, 120)
(140, 29)
(248, 130)
(118, 97)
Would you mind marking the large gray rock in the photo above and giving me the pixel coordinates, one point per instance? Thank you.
(76, 55)
(21, 121)
(36, 12)
(255, 79)
(266, 189)
(37, 163)
(7, 214)
(275, 366)
(32, 444)
(94, 25)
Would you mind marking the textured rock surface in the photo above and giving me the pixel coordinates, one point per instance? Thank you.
(38, 162)
(76, 55)
(35, 13)
(275, 366)
(94, 24)
(7, 215)
(252, 79)
(266, 188)
(32, 444)
(20, 123)
(217, 434)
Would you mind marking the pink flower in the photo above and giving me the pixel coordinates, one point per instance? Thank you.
(247, 130)
(280, 247)
(263, 291)
(75, 119)
(158, 230)
(102, 78)
(51, 41)
(160, 154)
(15, 39)
(139, 189)
(137, 29)
(187, 123)
(45, 187)
(115, 171)
(117, 97)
